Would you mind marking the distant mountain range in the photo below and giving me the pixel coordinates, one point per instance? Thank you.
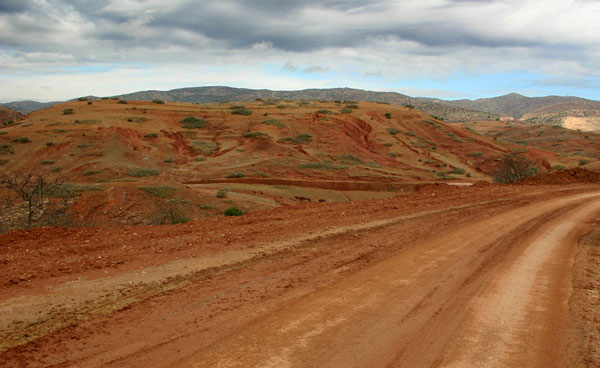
(550, 109)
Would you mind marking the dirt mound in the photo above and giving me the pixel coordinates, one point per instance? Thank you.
(571, 176)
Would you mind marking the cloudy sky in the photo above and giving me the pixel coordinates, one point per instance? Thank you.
(60, 49)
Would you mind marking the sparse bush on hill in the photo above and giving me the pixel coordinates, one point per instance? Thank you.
(237, 107)
(582, 162)
(192, 122)
(325, 112)
(558, 167)
(352, 106)
(139, 172)
(3, 133)
(475, 154)
(410, 134)
(205, 147)
(46, 162)
(169, 160)
(91, 172)
(85, 145)
(409, 107)
(160, 191)
(124, 102)
(87, 121)
(56, 169)
(242, 111)
(82, 99)
(222, 193)
(156, 101)
(274, 122)
(257, 135)
(346, 111)
(21, 140)
(233, 211)
(388, 115)
(514, 168)
(68, 112)
(35, 192)
(2, 162)
(393, 131)
(304, 138)
(457, 171)
(6, 148)
(236, 174)
(150, 135)
(349, 159)
(323, 165)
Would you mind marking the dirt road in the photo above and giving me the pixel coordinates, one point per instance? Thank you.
(476, 279)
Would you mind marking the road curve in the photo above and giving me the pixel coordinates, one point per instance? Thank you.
(478, 280)
(489, 294)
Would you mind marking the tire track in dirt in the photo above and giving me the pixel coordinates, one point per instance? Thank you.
(409, 301)
(27, 317)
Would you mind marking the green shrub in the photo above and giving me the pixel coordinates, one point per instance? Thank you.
(47, 162)
(392, 154)
(87, 121)
(150, 135)
(205, 147)
(2, 162)
(236, 174)
(324, 165)
(68, 190)
(410, 134)
(222, 193)
(139, 172)
(192, 122)
(279, 186)
(257, 135)
(260, 173)
(124, 102)
(233, 211)
(241, 112)
(345, 111)
(237, 107)
(85, 145)
(89, 102)
(169, 160)
(458, 171)
(48, 144)
(393, 131)
(304, 138)
(3, 133)
(157, 101)
(82, 99)
(160, 191)
(388, 115)
(582, 162)
(409, 107)
(475, 154)
(558, 167)
(388, 144)
(21, 140)
(325, 112)
(68, 112)
(91, 172)
(349, 159)
(206, 207)
(352, 106)
(5, 148)
(274, 122)
(56, 169)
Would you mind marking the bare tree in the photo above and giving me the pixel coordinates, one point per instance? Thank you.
(514, 168)
(32, 189)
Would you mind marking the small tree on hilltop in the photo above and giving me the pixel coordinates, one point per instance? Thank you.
(514, 168)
